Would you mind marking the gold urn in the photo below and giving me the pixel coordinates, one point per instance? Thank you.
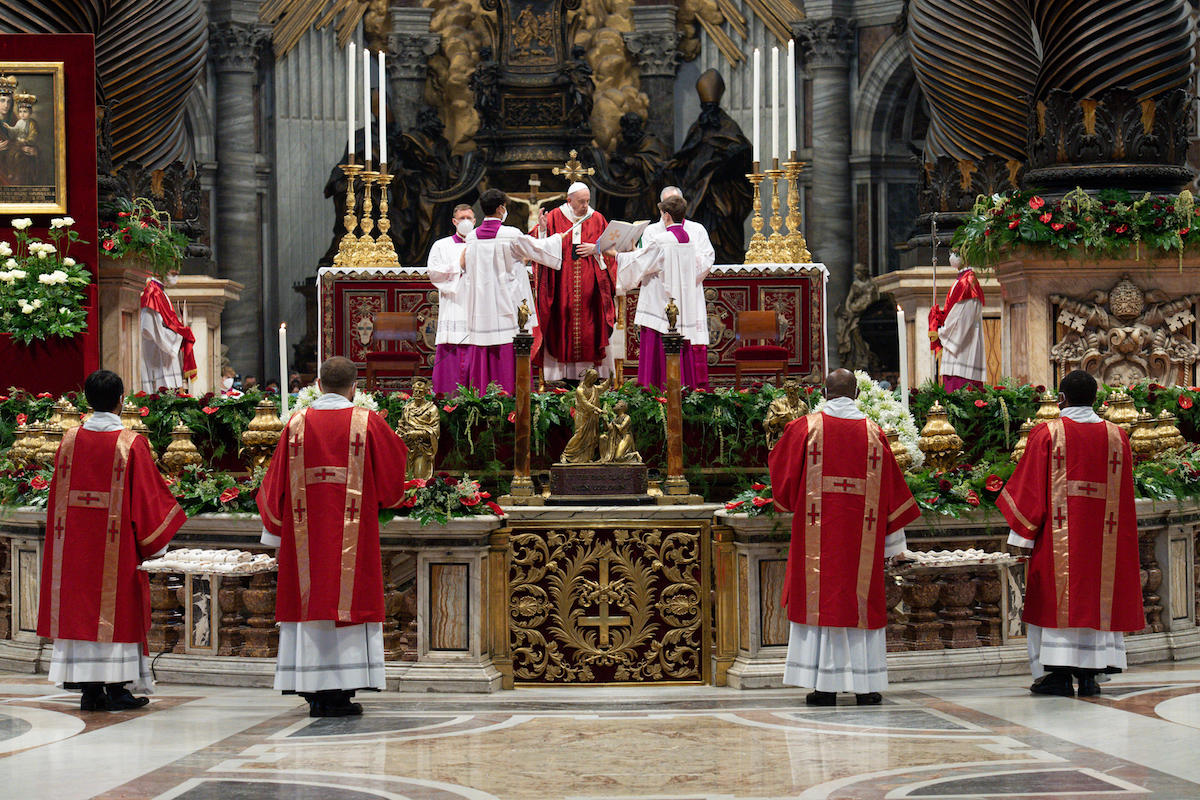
(180, 453)
(1023, 439)
(904, 459)
(130, 415)
(1167, 435)
(52, 434)
(16, 450)
(68, 414)
(261, 435)
(1144, 439)
(33, 444)
(1121, 411)
(939, 442)
(1048, 409)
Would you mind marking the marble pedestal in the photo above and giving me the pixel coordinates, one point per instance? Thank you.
(760, 551)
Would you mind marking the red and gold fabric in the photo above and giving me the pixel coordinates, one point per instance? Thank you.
(576, 309)
(109, 509)
(155, 298)
(965, 288)
(1072, 494)
(331, 473)
(841, 481)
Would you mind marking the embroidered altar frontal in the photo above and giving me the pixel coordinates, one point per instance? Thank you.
(350, 298)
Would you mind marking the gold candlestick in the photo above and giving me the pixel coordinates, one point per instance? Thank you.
(777, 242)
(797, 247)
(757, 252)
(349, 241)
(385, 249)
(364, 254)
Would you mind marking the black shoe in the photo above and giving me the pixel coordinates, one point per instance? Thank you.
(869, 699)
(1054, 683)
(821, 699)
(121, 699)
(1088, 686)
(319, 709)
(93, 697)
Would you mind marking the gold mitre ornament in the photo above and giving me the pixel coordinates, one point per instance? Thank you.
(26, 100)
(8, 85)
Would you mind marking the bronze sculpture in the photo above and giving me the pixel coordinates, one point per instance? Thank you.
(783, 410)
(853, 350)
(617, 445)
(582, 448)
(420, 427)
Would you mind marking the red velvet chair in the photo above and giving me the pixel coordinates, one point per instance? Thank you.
(766, 327)
(400, 326)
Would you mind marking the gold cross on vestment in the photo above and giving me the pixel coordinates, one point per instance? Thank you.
(603, 621)
(573, 170)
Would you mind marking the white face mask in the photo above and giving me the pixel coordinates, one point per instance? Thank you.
(503, 214)
(227, 383)
(171, 280)
(464, 227)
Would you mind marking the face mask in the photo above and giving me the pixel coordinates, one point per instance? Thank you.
(464, 227)
(503, 215)
(171, 280)
(227, 383)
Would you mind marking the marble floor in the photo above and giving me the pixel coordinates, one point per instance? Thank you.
(980, 738)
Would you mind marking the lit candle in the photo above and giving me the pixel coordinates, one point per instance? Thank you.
(382, 118)
(367, 106)
(902, 338)
(756, 94)
(775, 103)
(791, 96)
(283, 373)
(350, 88)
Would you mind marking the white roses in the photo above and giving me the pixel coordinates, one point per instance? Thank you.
(53, 278)
(29, 308)
(42, 250)
(62, 222)
(22, 223)
(13, 275)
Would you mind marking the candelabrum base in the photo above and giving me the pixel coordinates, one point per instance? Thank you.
(798, 248)
(778, 250)
(347, 247)
(756, 253)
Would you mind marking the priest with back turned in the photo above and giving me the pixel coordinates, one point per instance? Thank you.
(335, 467)
(1070, 501)
(835, 471)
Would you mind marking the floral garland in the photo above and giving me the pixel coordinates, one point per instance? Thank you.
(444, 497)
(309, 394)
(43, 288)
(754, 502)
(884, 409)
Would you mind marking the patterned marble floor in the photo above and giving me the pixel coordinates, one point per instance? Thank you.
(983, 738)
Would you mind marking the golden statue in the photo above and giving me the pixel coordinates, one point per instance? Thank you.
(584, 443)
(522, 316)
(420, 426)
(672, 312)
(782, 411)
(617, 445)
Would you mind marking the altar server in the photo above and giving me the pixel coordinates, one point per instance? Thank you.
(335, 467)
(109, 509)
(957, 330)
(695, 231)
(445, 270)
(167, 344)
(668, 267)
(495, 281)
(1070, 500)
(835, 471)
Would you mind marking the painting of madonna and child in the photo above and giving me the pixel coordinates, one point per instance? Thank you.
(32, 158)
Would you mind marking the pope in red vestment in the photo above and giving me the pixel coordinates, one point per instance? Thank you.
(576, 309)
(835, 471)
(1071, 501)
(109, 509)
(335, 467)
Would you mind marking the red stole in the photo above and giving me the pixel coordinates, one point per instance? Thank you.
(576, 309)
(109, 509)
(847, 493)
(1072, 493)
(155, 299)
(965, 288)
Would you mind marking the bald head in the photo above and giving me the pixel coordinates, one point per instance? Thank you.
(338, 376)
(841, 383)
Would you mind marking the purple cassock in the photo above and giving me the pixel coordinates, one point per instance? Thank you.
(652, 360)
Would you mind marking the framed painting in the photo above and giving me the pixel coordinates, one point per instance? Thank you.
(33, 157)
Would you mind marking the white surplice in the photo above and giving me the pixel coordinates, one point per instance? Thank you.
(1083, 648)
(666, 268)
(495, 281)
(962, 339)
(698, 236)
(835, 659)
(79, 661)
(162, 364)
(320, 655)
(444, 268)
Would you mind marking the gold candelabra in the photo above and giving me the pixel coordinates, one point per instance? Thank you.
(349, 242)
(385, 249)
(797, 247)
(777, 247)
(757, 252)
(365, 250)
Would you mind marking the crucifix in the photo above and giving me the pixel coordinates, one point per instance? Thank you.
(603, 621)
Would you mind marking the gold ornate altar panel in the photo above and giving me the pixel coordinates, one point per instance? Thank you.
(617, 602)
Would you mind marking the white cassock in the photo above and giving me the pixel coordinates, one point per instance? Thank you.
(445, 273)
(962, 339)
(831, 659)
(77, 661)
(161, 361)
(1083, 648)
(496, 280)
(666, 268)
(320, 655)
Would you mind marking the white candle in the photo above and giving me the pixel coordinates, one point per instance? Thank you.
(283, 373)
(791, 96)
(382, 118)
(350, 88)
(902, 338)
(756, 95)
(775, 103)
(367, 106)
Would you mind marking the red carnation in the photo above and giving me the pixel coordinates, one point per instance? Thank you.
(473, 500)
(1046, 217)
(759, 502)
(981, 403)
(1185, 401)
(22, 419)
(449, 408)
(1036, 202)
(209, 410)
(994, 483)
(495, 509)
(733, 505)
(758, 487)
(972, 498)
(143, 411)
(230, 493)
(39, 483)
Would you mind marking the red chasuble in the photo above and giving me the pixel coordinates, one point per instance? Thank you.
(155, 299)
(575, 307)
(1072, 493)
(840, 479)
(965, 288)
(331, 473)
(109, 509)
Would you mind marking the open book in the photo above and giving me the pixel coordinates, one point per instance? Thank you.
(621, 236)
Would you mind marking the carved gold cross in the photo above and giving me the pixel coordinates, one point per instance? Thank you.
(573, 170)
(604, 621)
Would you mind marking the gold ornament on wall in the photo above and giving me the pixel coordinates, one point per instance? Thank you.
(939, 442)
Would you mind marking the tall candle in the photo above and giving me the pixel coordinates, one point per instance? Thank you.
(791, 96)
(756, 95)
(283, 373)
(382, 118)
(367, 104)
(902, 338)
(350, 89)
(775, 103)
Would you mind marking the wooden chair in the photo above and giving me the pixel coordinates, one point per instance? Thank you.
(399, 326)
(766, 327)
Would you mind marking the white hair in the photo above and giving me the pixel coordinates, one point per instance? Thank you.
(668, 191)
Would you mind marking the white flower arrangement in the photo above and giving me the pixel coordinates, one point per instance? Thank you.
(53, 278)
(22, 223)
(5, 249)
(62, 222)
(309, 394)
(882, 408)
